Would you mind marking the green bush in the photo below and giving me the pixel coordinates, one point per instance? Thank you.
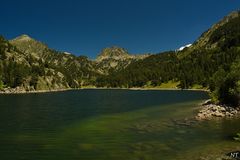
(226, 85)
(1, 85)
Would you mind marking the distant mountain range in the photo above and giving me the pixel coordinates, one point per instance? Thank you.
(29, 65)
(47, 69)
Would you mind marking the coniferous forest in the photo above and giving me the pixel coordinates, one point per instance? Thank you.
(215, 64)
(212, 62)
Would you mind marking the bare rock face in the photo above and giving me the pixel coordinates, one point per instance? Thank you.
(116, 53)
(116, 58)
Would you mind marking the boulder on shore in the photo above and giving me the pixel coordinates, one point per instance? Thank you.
(210, 111)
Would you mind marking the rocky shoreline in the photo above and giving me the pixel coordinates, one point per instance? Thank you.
(211, 111)
(20, 90)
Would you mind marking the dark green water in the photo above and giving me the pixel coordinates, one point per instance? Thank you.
(110, 125)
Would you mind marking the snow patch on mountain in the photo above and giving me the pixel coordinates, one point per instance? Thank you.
(67, 53)
(183, 47)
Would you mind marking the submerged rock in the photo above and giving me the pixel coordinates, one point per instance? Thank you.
(184, 122)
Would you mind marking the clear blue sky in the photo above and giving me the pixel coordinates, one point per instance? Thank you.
(85, 27)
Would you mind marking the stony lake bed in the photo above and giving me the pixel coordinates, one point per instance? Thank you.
(112, 124)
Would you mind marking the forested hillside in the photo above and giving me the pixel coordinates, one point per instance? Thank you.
(30, 65)
(211, 62)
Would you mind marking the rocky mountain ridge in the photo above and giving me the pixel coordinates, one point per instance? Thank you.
(32, 65)
(47, 69)
(205, 41)
(116, 58)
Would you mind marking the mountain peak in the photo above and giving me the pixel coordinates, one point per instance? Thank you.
(23, 37)
(205, 37)
(28, 45)
(113, 53)
(233, 14)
